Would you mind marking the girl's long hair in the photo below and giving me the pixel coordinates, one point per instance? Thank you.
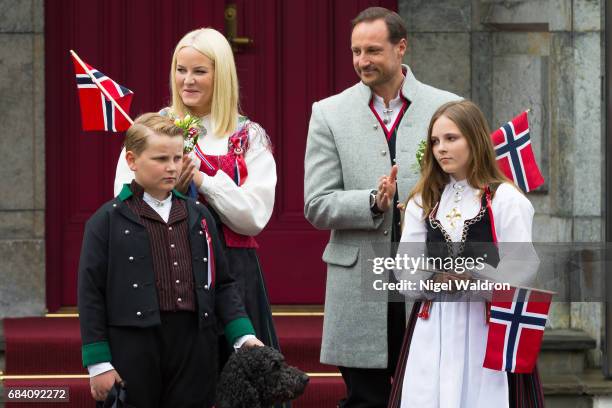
(482, 165)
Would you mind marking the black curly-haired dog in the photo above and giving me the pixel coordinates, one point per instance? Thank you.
(257, 377)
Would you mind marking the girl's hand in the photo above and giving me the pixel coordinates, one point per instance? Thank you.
(198, 178)
(449, 278)
(186, 175)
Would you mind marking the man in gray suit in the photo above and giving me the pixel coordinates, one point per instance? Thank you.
(370, 129)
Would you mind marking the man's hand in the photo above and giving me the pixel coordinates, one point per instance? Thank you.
(386, 190)
(102, 383)
(186, 175)
(254, 342)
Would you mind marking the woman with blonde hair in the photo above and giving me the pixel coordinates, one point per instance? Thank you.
(462, 207)
(231, 166)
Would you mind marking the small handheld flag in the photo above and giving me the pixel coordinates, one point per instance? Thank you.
(514, 154)
(104, 103)
(516, 328)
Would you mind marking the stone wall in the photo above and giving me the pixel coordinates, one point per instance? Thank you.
(546, 55)
(22, 168)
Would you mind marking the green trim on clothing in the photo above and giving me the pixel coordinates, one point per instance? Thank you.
(94, 353)
(179, 194)
(238, 328)
(126, 193)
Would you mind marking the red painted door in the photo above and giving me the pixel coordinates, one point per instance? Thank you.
(300, 53)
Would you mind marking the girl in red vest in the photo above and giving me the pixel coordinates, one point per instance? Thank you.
(231, 167)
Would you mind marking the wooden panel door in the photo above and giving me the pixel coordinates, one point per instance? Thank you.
(300, 53)
(131, 42)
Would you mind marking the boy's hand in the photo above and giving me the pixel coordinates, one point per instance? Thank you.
(254, 342)
(102, 383)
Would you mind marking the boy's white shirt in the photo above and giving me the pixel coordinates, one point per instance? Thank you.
(163, 209)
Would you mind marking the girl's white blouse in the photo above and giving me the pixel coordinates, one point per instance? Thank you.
(444, 367)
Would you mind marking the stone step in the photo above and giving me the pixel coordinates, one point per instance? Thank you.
(564, 351)
(570, 401)
(591, 382)
(567, 339)
(589, 389)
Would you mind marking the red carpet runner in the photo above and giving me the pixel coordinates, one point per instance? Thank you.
(51, 346)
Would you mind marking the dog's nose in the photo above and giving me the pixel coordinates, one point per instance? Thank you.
(305, 379)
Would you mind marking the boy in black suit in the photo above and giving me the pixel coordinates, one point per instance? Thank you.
(153, 280)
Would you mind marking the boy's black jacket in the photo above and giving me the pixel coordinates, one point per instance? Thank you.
(116, 290)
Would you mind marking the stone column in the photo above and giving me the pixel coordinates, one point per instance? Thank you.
(22, 166)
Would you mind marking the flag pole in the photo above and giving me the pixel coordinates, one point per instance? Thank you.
(104, 91)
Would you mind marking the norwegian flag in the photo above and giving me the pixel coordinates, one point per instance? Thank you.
(516, 328)
(210, 265)
(97, 110)
(514, 154)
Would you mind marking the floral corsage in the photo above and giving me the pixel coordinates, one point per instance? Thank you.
(192, 130)
(419, 155)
